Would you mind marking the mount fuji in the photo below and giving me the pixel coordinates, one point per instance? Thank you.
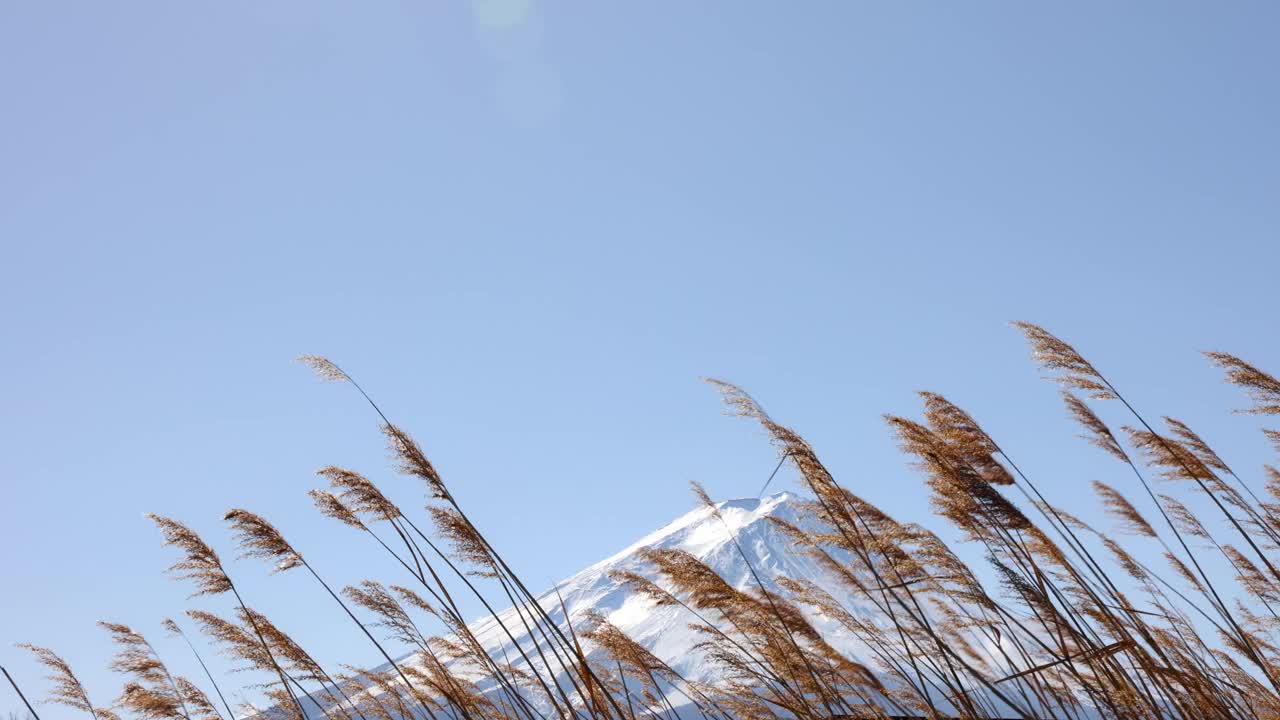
(664, 630)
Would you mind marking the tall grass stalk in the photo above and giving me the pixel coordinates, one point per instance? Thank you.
(1059, 620)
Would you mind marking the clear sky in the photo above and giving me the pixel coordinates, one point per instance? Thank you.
(529, 228)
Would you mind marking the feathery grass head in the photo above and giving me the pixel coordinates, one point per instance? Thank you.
(260, 539)
(965, 436)
(690, 575)
(467, 542)
(738, 402)
(330, 506)
(644, 587)
(620, 646)
(1262, 387)
(1098, 433)
(197, 701)
(324, 368)
(1173, 459)
(1272, 481)
(201, 564)
(1183, 571)
(1063, 363)
(135, 656)
(412, 461)
(1274, 437)
(234, 640)
(410, 597)
(286, 650)
(1250, 577)
(961, 493)
(146, 703)
(1183, 519)
(66, 689)
(1125, 560)
(357, 495)
(704, 498)
(1120, 508)
(1196, 444)
(375, 598)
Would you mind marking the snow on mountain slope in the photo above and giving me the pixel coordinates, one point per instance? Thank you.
(664, 630)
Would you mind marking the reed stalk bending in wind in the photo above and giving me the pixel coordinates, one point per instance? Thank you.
(1057, 619)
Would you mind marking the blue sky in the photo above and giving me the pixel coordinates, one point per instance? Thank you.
(529, 228)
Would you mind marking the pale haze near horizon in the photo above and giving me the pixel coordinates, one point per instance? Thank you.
(529, 228)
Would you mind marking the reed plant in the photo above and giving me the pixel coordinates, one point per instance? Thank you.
(1056, 619)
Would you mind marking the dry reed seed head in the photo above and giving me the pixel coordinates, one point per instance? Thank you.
(960, 492)
(704, 499)
(323, 368)
(170, 626)
(283, 646)
(260, 539)
(283, 702)
(148, 704)
(234, 641)
(390, 692)
(359, 494)
(374, 597)
(800, 537)
(1169, 456)
(966, 437)
(738, 402)
(1274, 437)
(1098, 433)
(1028, 593)
(1272, 481)
(701, 493)
(644, 587)
(449, 648)
(689, 575)
(620, 646)
(1263, 388)
(412, 461)
(412, 598)
(1120, 508)
(201, 564)
(782, 611)
(66, 688)
(1067, 518)
(1183, 519)
(1250, 577)
(1063, 363)
(1183, 571)
(330, 506)
(468, 545)
(1196, 444)
(196, 699)
(134, 656)
(438, 680)
(789, 443)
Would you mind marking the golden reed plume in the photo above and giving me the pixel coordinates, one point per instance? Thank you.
(66, 688)
(260, 539)
(1056, 619)
(1063, 363)
(1262, 387)
(201, 565)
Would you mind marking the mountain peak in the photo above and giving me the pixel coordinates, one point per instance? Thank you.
(764, 504)
(737, 541)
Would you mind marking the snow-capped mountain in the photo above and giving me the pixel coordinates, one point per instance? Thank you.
(665, 631)
(714, 538)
